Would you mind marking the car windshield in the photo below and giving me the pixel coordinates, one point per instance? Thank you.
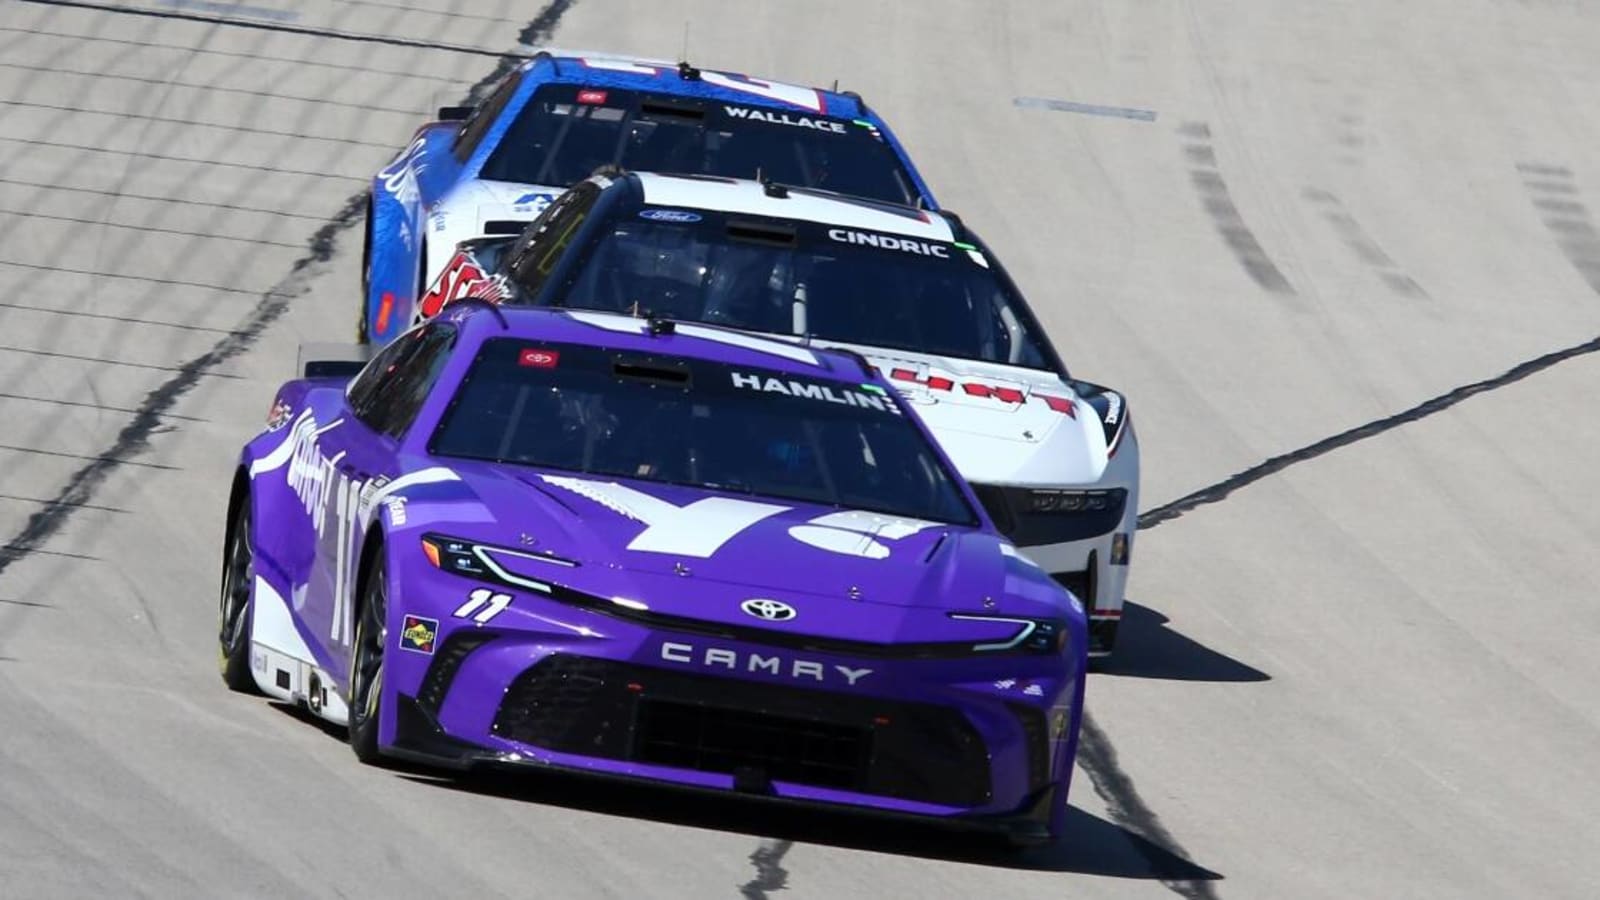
(566, 132)
(799, 278)
(693, 422)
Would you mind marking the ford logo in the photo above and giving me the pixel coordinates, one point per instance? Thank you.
(768, 610)
(669, 215)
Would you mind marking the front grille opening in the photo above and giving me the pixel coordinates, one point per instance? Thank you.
(712, 739)
(616, 710)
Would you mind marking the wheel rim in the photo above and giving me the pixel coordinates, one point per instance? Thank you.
(236, 581)
(366, 676)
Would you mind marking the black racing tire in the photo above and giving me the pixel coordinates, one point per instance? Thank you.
(235, 609)
(366, 661)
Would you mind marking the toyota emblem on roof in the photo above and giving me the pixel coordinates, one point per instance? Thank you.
(768, 610)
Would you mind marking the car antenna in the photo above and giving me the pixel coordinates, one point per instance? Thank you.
(771, 188)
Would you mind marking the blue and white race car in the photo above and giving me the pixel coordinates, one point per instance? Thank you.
(557, 119)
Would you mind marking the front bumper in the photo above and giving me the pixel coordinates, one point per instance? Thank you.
(979, 741)
(1087, 553)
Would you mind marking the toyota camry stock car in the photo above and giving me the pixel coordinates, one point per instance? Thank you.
(673, 552)
(556, 119)
(1053, 458)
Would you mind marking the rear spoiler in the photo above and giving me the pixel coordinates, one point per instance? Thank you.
(332, 360)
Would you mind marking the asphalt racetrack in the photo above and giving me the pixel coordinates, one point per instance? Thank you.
(1342, 256)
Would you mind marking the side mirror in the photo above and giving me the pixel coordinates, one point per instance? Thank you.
(455, 113)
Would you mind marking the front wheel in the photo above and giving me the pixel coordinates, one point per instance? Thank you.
(366, 662)
(234, 610)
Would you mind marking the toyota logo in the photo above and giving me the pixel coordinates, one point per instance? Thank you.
(770, 610)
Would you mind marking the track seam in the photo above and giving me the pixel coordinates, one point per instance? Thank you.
(134, 438)
(282, 28)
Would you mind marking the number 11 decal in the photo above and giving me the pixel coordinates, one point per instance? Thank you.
(482, 605)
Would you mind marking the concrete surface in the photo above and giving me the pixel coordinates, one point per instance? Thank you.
(1366, 668)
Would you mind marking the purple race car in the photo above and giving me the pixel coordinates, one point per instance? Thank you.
(653, 550)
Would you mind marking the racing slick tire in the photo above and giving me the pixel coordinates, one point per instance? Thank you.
(234, 610)
(366, 661)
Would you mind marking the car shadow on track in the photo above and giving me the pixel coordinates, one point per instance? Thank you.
(1091, 845)
(1148, 647)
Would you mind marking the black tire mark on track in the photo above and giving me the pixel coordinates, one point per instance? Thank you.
(62, 499)
(15, 499)
(102, 361)
(56, 401)
(1362, 245)
(234, 54)
(80, 314)
(121, 276)
(181, 201)
(161, 157)
(1221, 490)
(1554, 190)
(1098, 758)
(1218, 204)
(770, 873)
(145, 229)
(188, 123)
(245, 92)
(134, 438)
(282, 28)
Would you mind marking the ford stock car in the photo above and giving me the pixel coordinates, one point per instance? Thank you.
(1053, 458)
(669, 552)
(556, 119)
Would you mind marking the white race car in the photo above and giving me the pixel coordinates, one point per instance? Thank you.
(1053, 458)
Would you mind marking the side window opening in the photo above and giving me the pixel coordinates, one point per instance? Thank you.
(473, 130)
(390, 391)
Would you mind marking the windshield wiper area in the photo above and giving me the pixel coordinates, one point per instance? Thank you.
(652, 373)
(769, 234)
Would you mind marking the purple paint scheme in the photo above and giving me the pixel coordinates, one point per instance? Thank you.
(653, 626)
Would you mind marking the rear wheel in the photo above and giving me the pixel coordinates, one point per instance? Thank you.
(234, 610)
(366, 662)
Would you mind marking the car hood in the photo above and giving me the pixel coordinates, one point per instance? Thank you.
(1001, 424)
(625, 534)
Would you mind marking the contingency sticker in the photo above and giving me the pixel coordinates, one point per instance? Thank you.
(419, 634)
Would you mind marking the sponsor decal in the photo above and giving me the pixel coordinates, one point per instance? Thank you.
(385, 309)
(768, 610)
(889, 242)
(809, 390)
(397, 510)
(419, 635)
(537, 358)
(400, 176)
(592, 96)
(777, 118)
(462, 277)
(777, 664)
(669, 215)
(984, 391)
(1113, 407)
(701, 528)
(1005, 684)
(278, 415)
(532, 203)
(1033, 690)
